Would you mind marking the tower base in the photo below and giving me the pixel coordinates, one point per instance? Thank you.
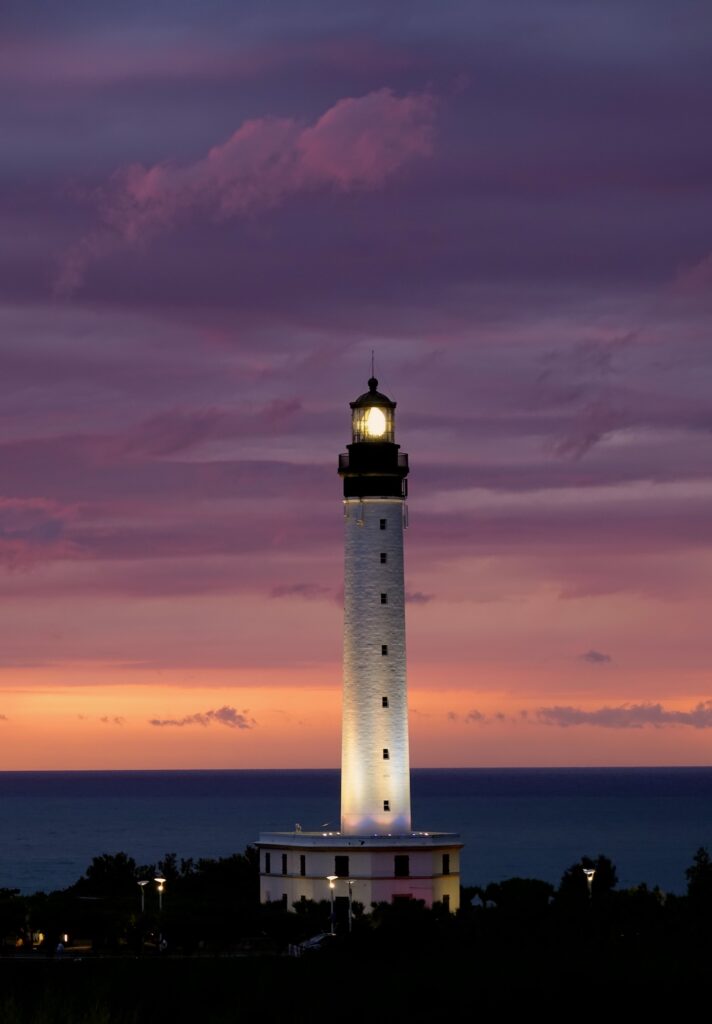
(294, 866)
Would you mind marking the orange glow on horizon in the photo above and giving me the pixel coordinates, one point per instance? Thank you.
(50, 726)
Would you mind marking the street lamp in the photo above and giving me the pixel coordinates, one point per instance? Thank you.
(589, 873)
(331, 879)
(160, 882)
(351, 900)
(143, 895)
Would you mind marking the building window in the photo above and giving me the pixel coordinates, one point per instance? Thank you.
(284, 863)
(268, 863)
(384, 557)
(446, 902)
(341, 866)
(384, 649)
(386, 755)
(284, 900)
(382, 523)
(386, 805)
(384, 598)
(384, 702)
(446, 863)
(401, 865)
(302, 864)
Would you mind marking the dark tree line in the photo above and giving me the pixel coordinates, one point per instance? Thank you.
(212, 906)
(514, 946)
(209, 904)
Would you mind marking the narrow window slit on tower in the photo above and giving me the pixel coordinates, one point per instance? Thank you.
(384, 557)
(384, 649)
(384, 598)
(382, 523)
(384, 702)
(386, 755)
(386, 805)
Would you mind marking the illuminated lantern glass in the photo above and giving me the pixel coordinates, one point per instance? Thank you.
(372, 423)
(373, 416)
(375, 422)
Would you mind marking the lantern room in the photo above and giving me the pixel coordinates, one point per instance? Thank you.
(373, 416)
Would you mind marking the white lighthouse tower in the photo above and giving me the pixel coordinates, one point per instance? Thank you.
(375, 767)
(376, 856)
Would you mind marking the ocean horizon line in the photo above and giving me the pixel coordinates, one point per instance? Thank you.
(422, 768)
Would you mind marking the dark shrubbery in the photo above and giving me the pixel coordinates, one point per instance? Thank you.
(512, 945)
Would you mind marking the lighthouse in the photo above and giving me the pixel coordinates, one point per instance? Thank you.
(375, 768)
(376, 856)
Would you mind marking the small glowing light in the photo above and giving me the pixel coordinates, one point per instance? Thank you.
(375, 422)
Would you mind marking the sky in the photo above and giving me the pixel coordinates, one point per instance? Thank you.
(211, 213)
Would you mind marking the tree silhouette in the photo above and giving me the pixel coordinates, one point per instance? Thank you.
(699, 879)
(573, 887)
(110, 875)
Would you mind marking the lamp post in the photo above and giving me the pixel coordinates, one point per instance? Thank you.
(160, 882)
(589, 873)
(331, 879)
(143, 895)
(351, 900)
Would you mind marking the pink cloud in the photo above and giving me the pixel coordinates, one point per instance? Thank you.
(629, 716)
(226, 715)
(361, 142)
(357, 144)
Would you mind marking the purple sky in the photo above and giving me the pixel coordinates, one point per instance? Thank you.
(211, 214)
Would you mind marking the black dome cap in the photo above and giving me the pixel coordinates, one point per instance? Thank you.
(373, 397)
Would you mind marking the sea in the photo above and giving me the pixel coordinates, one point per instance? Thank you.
(525, 822)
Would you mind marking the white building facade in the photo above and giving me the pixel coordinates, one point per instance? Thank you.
(296, 866)
(376, 855)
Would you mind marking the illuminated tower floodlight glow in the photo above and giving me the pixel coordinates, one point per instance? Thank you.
(375, 769)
